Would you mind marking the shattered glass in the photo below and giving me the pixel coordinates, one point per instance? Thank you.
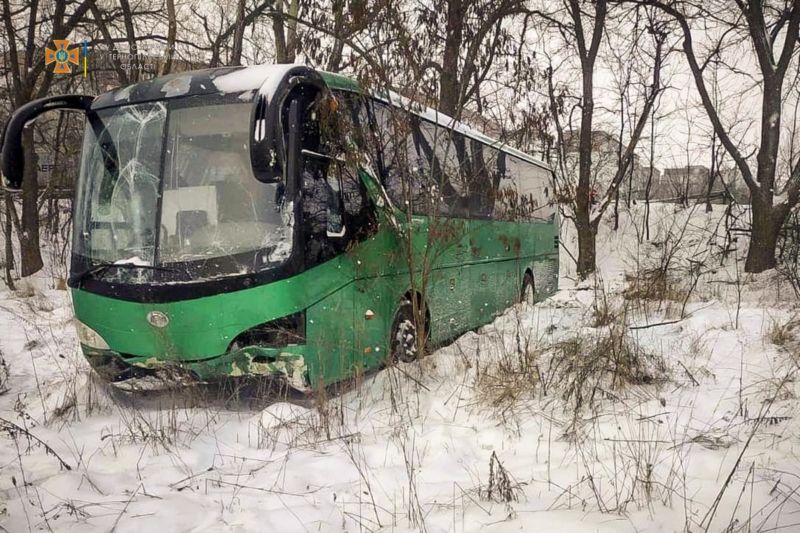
(117, 204)
(171, 191)
(212, 205)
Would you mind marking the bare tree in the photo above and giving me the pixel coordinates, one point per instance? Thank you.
(467, 36)
(285, 30)
(172, 34)
(27, 34)
(584, 31)
(772, 31)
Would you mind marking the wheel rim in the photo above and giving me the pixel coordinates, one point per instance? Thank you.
(404, 341)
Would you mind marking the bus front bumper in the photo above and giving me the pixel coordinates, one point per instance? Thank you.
(287, 364)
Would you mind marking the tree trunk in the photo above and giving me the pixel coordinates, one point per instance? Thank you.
(292, 40)
(279, 33)
(130, 34)
(586, 245)
(767, 223)
(28, 234)
(238, 35)
(335, 57)
(172, 31)
(7, 234)
(449, 83)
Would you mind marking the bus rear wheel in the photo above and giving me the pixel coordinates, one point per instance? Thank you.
(528, 294)
(403, 340)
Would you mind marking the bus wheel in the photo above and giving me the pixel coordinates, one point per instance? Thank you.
(528, 293)
(404, 335)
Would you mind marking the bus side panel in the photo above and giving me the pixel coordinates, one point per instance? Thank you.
(540, 252)
(330, 337)
(495, 268)
(329, 344)
(447, 293)
(381, 281)
(442, 243)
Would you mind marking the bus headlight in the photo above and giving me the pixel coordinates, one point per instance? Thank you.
(89, 337)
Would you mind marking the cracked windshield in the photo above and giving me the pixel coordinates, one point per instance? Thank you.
(209, 217)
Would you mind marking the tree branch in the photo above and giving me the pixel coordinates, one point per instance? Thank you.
(697, 74)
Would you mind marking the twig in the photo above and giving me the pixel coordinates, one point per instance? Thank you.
(696, 383)
(116, 522)
(655, 324)
(12, 429)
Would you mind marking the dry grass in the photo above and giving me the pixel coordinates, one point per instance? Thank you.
(781, 333)
(511, 373)
(603, 312)
(501, 487)
(580, 369)
(509, 380)
(655, 284)
(590, 366)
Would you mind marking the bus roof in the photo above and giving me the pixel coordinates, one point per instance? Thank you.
(345, 83)
(249, 80)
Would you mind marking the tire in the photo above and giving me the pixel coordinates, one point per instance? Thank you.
(403, 339)
(528, 293)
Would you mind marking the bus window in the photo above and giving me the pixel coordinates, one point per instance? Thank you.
(317, 199)
(468, 166)
(532, 185)
(402, 161)
(487, 169)
(444, 175)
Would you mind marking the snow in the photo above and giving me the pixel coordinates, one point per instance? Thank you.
(135, 260)
(123, 94)
(263, 77)
(177, 86)
(409, 448)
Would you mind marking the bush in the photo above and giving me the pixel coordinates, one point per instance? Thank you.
(608, 360)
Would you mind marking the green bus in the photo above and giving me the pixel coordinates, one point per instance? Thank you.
(278, 220)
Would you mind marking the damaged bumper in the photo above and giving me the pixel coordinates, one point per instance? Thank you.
(287, 364)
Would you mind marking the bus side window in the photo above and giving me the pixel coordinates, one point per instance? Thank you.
(318, 201)
(359, 213)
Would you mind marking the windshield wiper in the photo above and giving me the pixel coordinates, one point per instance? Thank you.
(99, 270)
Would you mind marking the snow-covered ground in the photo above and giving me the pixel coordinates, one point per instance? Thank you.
(499, 431)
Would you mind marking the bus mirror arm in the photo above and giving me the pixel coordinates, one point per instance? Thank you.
(12, 156)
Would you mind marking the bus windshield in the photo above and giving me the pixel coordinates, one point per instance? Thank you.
(172, 186)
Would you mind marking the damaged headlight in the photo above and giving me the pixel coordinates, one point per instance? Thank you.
(89, 337)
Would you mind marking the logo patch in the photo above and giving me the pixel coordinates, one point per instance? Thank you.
(62, 56)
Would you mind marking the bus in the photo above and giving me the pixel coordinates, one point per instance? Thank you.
(277, 220)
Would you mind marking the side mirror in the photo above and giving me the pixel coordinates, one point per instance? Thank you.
(12, 160)
(272, 117)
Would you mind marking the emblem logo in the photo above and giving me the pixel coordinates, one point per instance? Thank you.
(62, 56)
